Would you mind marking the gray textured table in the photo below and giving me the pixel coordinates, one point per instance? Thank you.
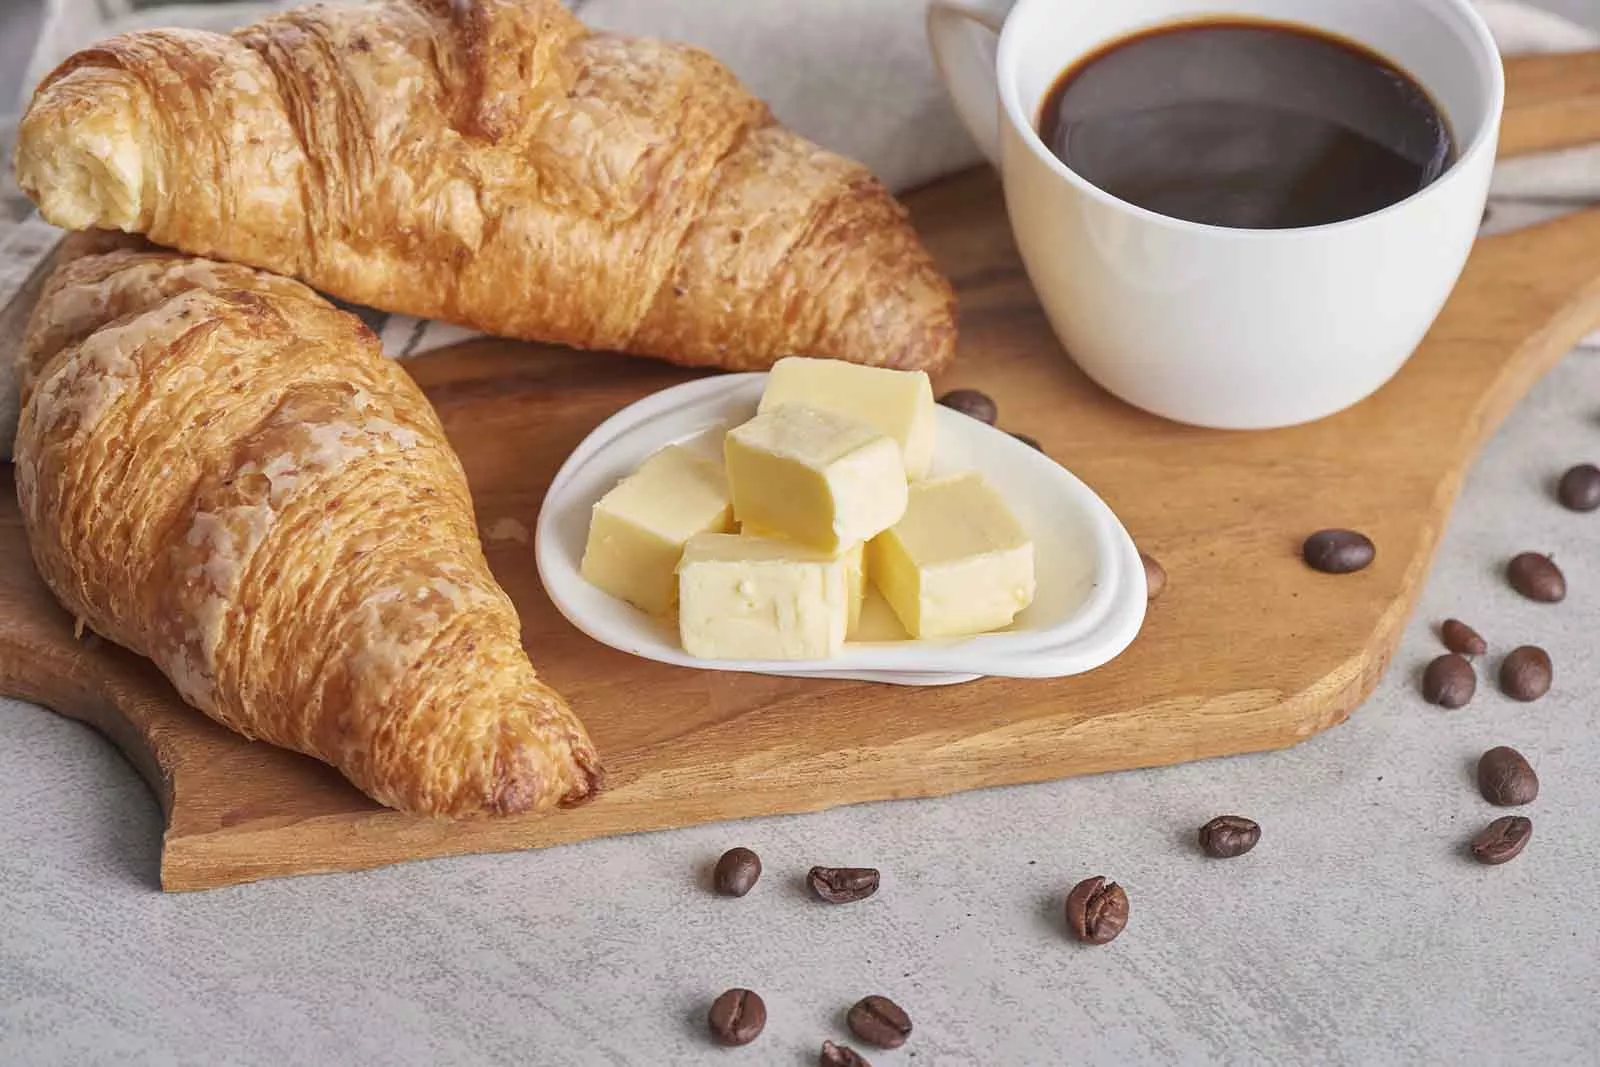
(1357, 933)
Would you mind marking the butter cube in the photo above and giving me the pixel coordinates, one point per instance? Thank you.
(855, 572)
(742, 598)
(855, 585)
(639, 528)
(879, 624)
(898, 402)
(958, 562)
(815, 476)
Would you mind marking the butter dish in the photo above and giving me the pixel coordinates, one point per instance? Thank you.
(1090, 600)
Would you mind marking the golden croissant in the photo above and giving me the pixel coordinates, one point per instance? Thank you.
(219, 470)
(495, 164)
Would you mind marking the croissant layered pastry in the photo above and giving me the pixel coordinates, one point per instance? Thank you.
(219, 470)
(495, 164)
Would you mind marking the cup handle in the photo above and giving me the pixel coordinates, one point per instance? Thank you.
(967, 67)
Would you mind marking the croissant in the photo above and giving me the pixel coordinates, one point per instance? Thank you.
(219, 470)
(495, 164)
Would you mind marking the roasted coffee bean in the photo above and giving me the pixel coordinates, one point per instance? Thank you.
(1537, 577)
(737, 872)
(1449, 681)
(1502, 840)
(1228, 836)
(1580, 488)
(737, 1017)
(840, 1056)
(980, 406)
(1526, 673)
(1029, 441)
(1155, 577)
(1506, 778)
(843, 885)
(1097, 910)
(880, 1022)
(1338, 551)
(1462, 639)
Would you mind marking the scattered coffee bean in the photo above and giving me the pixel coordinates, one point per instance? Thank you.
(737, 1017)
(1029, 441)
(1228, 836)
(1537, 577)
(1449, 681)
(1506, 778)
(840, 1056)
(1097, 910)
(971, 402)
(843, 885)
(1155, 577)
(879, 1022)
(1462, 639)
(737, 872)
(1580, 488)
(1338, 551)
(1526, 673)
(1502, 840)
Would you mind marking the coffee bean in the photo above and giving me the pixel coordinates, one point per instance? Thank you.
(840, 1056)
(970, 402)
(1526, 673)
(1506, 778)
(1338, 551)
(880, 1022)
(737, 872)
(1580, 488)
(1155, 577)
(1462, 639)
(1502, 840)
(1097, 910)
(843, 885)
(1029, 441)
(1228, 836)
(1537, 577)
(737, 1017)
(1449, 681)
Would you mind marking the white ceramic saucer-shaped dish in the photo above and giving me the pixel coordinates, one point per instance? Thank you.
(1091, 590)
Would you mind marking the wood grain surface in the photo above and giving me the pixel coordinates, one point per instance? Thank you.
(1247, 650)
(1552, 103)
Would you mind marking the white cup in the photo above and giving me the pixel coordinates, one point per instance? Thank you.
(1229, 328)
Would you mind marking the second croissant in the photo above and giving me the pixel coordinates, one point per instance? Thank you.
(220, 471)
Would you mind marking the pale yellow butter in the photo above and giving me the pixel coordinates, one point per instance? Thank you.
(815, 476)
(855, 583)
(879, 624)
(958, 562)
(751, 598)
(639, 528)
(855, 572)
(898, 402)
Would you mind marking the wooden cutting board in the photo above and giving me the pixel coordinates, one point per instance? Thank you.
(1248, 649)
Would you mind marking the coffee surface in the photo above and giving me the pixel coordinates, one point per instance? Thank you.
(1249, 125)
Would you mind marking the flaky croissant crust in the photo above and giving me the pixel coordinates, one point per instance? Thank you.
(496, 164)
(219, 470)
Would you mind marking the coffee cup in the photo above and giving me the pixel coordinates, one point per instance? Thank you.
(1226, 327)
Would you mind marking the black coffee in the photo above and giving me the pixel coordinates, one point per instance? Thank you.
(1250, 125)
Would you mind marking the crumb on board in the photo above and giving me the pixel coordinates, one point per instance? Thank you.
(506, 529)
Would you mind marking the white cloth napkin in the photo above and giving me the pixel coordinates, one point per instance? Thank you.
(854, 75)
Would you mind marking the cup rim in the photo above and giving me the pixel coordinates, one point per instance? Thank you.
(1486, 140)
